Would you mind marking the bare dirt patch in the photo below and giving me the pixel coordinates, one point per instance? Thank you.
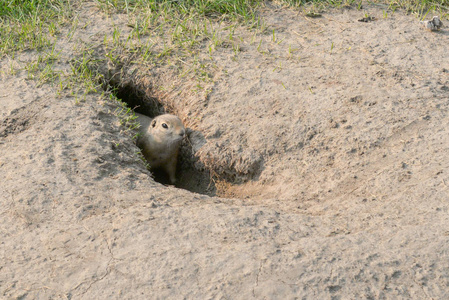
(326, 139)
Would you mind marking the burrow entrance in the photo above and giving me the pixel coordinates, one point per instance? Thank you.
(189, 173)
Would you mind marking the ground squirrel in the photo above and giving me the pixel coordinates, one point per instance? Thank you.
(160, 139)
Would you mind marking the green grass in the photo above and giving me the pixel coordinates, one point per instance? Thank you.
(35, 24)
(170, 32)
(243, 9)
(30, 24)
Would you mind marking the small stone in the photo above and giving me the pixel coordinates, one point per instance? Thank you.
(432, 25)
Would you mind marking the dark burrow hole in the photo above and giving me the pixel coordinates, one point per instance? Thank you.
(190, 173)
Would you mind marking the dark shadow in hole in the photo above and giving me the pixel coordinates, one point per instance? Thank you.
(139, 101)
(190, 176)
(160, 176)
(187, 177)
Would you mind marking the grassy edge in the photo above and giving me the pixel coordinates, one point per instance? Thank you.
(161, 32)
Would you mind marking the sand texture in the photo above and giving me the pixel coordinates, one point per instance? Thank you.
(330, 163)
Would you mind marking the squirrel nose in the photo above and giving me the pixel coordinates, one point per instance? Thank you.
(182, 133)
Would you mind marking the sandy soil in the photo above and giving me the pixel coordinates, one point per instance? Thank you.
(330, 163)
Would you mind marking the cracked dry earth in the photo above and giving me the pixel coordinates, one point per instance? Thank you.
(341, 152)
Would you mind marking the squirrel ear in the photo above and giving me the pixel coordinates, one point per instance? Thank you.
(153, 123)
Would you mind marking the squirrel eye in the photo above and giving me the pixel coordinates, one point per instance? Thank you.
(165, 125)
